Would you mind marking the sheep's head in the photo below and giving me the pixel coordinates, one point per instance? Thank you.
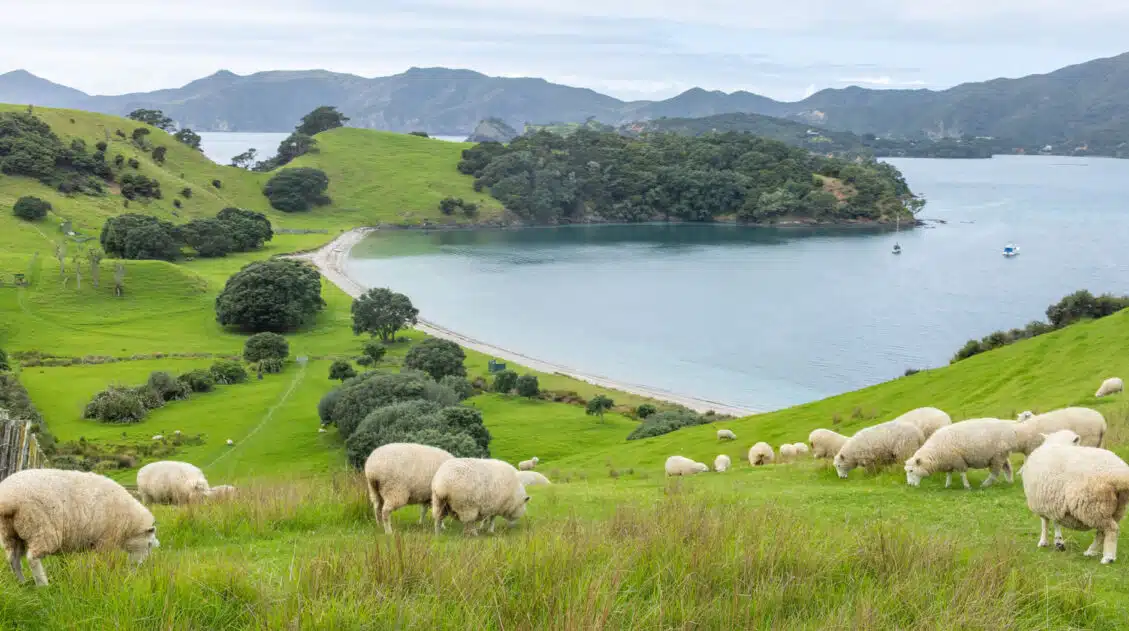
(916, 471)
(140, 544)
(1061, 437)
(700, 468)
(842, 465)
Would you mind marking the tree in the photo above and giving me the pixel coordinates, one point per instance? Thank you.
(362, 395)
(267, 345)
(527, 386)
(381, 311)
(151, 241)
(228, 371)
(436, 357)
(297, 190)
(61, 255)
(321, 119)
(248, 229)
(94, 257)
(374, 350)
(598, 405)
(116, 233)
(156, 118)
(505, 381)
(159, 154)
(275, 295)
(459, 385)
(139, 135)
(341, 370)
(209, 237)
(245, 160)
(188, 137)
(645, 410)
(119, 280)
(31, 208)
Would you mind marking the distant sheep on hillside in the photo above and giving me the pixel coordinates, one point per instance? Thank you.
(726, 434)
(886, 443)
(528, 465)
(761, 454)
(826, 443)
(679, 465)
(1113, 385)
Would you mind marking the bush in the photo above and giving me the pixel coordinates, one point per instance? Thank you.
(382, 421)
(210, 238)
(186, 192)
(115, 405)
(458, 430)
(265, 346)
(227, 372)
(248, 229)
(4, 365)
(217, 184)
(597, 405)
(176, 203)
(101, 146)
(665, 422)
(448, 206)
(271, 365)
(159, 155)
(276, 295)
(364, 360)
(136, 185)
(527, 386)
(188, 137)
(360, 396)
(134, 163)
(159, 239)
(436, 357)
(297, 190)
(459, 385)
(31, 208)
(167, 387)
(341, 370)
(381, 311)
(149, 397)
(645, 410)
(421, 134)
(505, 381)
(374, 350)
(199, 380)
(469, 421)
(326, 404)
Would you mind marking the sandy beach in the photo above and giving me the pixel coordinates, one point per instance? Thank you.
(330, 260)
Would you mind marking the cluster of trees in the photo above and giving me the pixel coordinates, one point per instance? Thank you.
(29, 148)
(508, 381)
(126, 404)
(14, 398)
(137, 186)
(297, 190)
(548, 178)
(134, 236)
(276, 295)
(657, 423)
(1078, 306)
(31, 208)
(298, 143)
(450, 205)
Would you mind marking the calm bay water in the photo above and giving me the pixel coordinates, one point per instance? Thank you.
(222, 146)
(766, 318)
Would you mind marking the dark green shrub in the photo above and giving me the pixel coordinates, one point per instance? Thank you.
(134, 163)
(469, 421)
(382, 421)
(375, 350)
(527, 386)
(271, 365)
(227, 372)
(186, 192)
(363, 394)
(276, 295)
(199, 380)
(341, 370)
(31, 208)
(505, 381)
(645, 410)
(119, 160)
(326, 404)
(159, 155)
(297, 190)
(101, 146)
(262, 346)
(149, 397)
(665, 422)
(436, 357)
(247, 228)
(598, 405)
(169, 388)
(217, 184)
(452, 429)
(459, 385)
(115, 404)
(364, 360)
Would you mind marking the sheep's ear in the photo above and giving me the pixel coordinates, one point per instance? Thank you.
(151, 530)
(1077, 439)
(917, 461)
(527, 498)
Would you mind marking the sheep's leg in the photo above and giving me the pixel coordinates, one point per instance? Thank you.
(470, 528)
(374, 497)
(438, 512)
(1008, 474)
(37, 570)
(1060, 543)
(948, 479)
(423, 513)
(492, 522)
(1096, 547)
(993, 473)
(964, 479)
(1109, 543)
(16, 552)
(1043, 533)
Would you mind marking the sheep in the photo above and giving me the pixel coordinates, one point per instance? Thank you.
(230, 443)
(721, 463)
(527, 465)
(761, 454)
(159, 437)
(532, 478)
(1113, 385)
(678, 465)
(1023, 416)
(726, 434)
(982, 443)
(49, 511)
(882, 444)
(476, 490)
(171, 482)
(398, 474)
(801, 449)
(928, 420)
(1089, 424)
(221, 492)
(1082, 488)
(787, 452)
(825, 443)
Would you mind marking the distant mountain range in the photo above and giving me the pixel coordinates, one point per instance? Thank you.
(1081, 105)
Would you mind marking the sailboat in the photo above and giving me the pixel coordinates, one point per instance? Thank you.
(897, 229)
(1011, 250)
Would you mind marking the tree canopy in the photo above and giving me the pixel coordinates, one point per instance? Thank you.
(436, 357)
(188, 137)
(276, 295)
(381, 311)
(297, 190)
(321, 119)
(156, 118)
(31, 208)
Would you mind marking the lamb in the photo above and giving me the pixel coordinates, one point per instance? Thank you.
(221, 492)
(1089, 424)
(527, 465)
(787, 452)
(882, 444)
(826, 443)
(726, 434)
(761, 454)
(171, 482)
(477, 490)
(1082, 488)
(928, 420)
(398, 474)
(1113, 385)
(48, 511)
(975, 444)
(721, 463)
(532, 478)
(801, 449)
(678, 465)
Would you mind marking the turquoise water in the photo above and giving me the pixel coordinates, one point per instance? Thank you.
(766, 318)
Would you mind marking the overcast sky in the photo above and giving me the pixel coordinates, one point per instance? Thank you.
(627, 48)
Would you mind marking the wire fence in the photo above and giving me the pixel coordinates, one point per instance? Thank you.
(19, 446)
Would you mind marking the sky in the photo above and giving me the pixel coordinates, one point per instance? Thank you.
(631, 49)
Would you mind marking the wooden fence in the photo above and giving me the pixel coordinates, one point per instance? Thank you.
(19, 447)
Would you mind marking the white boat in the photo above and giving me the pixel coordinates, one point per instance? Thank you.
(897, 249)
(1011, 250)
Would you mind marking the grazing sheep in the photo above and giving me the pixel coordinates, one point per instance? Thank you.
(721, 463)
(1023, 416)
(826, 443)
(221, 492)
(1089, 424)
(726, 434)
(1082, 488)
(882, 444)
(787, 452)
(976, 444)
(159, 437)
(475, 491)
(230, 443)
(399, 474)
(761, 454)
(171, 482)
(928, 420)
(1113, 385)
(678, 465)
(48, 511)
(527, 465)
(801, 449)
(532, 478)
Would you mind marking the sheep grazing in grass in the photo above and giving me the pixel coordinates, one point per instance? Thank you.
(48, 511)
(221, 492)
(761, 454)
(1113, 385)
(721, 463)
(171, 482)
(532, 478)
(787, 452)
(801, 449)
(528, 465)
(475, 491)
(1089, 424)
(1082, 488)
(886, 443)
(1023, 416)
(398, 474)
(826, 443)
(976, 444)
(159, 437)
(928, 420)
(679, 465)
(230, 443)
(726, 434)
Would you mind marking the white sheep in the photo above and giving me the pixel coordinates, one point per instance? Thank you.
(721, 463)
(761, 454)
(679, 465)
(398, 474)
(528, 465)
(221, 492)
(532, 478)
(882, 444)
(726, 434)
(982, 443)
(159, 437)
(1113, 385)
(928, 420)
(787, 452)
(230, 443)
(48, 511)
(826, 443)
(1023, 416)
(801, 449)
(1089, 424)
(475, 491)
(1082, 488)
(171, 482)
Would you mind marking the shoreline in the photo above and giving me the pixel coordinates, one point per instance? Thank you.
(330, 261)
